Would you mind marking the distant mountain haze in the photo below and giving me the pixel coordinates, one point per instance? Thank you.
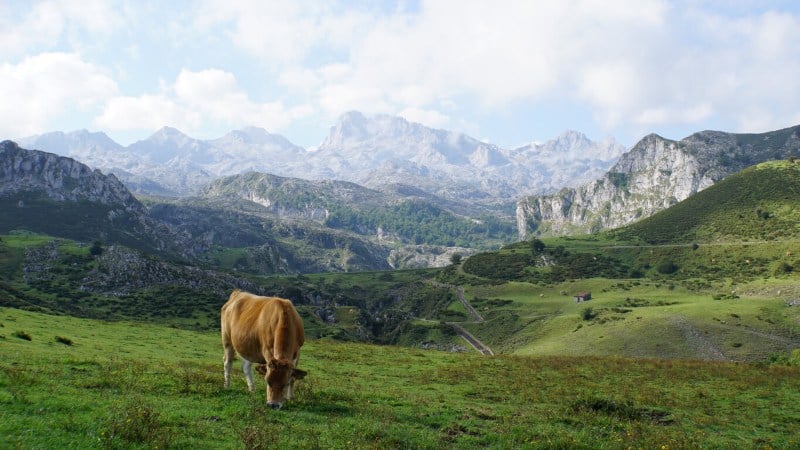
(376, 152)
(568, 185)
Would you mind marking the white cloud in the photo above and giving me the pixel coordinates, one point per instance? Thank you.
(472, 50)
(146, 112)
(48, 86)
(47, 24)
(200, 103)
(42, 25)
(429, 118)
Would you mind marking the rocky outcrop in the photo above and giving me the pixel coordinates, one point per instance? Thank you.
(60, 196)
(60, 179)
(655, 174)
(422, 256)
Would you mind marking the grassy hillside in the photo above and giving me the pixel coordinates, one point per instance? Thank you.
(83, 221)
(759, 203)
(78, 383)
(40, 273)
(638, 318)
(715, 277)
(734, 295)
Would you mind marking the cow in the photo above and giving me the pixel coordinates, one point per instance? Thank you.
(266, 331)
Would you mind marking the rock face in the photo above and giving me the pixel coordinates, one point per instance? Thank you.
(294, 198)
(60, 196)
(655, 174)
(60, 179)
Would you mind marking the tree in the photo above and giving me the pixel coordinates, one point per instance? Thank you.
(537, 246)
(96, 249)
(455, 258)
(667, 267)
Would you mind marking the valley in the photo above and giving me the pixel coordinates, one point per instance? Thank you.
(691, 337)
(399, 225)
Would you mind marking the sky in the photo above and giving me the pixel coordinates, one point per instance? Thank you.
(503, 71)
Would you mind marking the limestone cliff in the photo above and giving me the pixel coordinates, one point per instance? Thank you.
(655, 174)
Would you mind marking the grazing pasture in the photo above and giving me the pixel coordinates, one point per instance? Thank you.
(81, 383)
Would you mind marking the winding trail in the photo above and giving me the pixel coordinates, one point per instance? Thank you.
(472, 312)
(476, 318)
(476, 344)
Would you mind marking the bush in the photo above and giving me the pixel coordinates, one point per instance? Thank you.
(588, 314)
(63, 340)
(96, 249)
(783, 268)
(23, 335)
(667, 267)
(135, 423)
(455, 258)
(537, 246)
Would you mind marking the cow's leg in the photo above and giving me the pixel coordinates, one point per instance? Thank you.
(248, 374)
(227, 362)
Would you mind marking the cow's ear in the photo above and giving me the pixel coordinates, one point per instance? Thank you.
(262, 369)
(299, 374)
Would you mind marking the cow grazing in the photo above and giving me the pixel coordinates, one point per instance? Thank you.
(266, 331)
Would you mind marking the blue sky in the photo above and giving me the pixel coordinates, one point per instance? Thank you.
(509, 72)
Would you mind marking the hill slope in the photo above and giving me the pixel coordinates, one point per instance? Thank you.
(712, 277)
(47, 193)
(400, 217)
(87, 384)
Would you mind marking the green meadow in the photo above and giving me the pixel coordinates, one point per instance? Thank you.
(691, 339)
(639, 318)
(81, 383)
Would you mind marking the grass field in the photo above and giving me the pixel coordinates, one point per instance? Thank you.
(640, 318)
(79, 383)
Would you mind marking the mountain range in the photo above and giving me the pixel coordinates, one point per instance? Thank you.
(380, 152)
(254, 222)
(385, 185)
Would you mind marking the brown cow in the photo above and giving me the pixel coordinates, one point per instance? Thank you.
(266, 331)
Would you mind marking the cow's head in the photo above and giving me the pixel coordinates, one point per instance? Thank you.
(280, 375)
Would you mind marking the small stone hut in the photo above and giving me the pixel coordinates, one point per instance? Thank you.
(582, 296)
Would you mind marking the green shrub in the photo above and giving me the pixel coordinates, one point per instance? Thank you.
(783, 268)
(64, 340)
(667, 267)
(22, 335)
(134, 423)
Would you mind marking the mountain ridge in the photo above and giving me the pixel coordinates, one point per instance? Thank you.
(61, 196)
(653, 175)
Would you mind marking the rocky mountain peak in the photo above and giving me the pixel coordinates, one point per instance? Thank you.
(167, 133)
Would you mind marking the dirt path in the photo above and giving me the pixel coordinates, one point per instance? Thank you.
(473, 313)
(476, 344)
(477, 318)
(697, 341)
